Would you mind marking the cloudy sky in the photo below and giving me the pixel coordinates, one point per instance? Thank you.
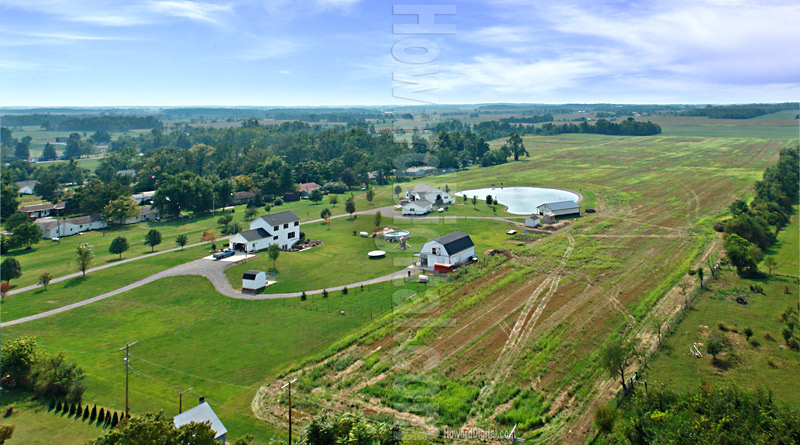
(340, 52)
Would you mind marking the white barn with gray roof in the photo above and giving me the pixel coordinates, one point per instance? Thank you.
(428, 193)
(454, 248)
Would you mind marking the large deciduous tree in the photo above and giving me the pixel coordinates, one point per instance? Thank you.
(10, 269)
(615, 357)
(157, 428)
(120, 209)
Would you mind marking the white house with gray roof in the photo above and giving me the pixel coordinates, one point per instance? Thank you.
(27, 187)
(559, 208)
(281, 228)
(418, 207)
(454, 248)
(428, 193)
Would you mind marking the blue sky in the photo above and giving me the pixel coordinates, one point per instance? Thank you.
(339, 52)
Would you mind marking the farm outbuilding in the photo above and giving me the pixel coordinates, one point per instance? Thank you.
(254, 280)
(533, 222)
(453, 249)
(559, 208)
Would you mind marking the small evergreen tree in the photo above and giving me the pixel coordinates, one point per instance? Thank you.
(324, 293)
(114, 420)
(344, 291)
(303, 296)
(72, 408)
(93, 415)
(108, 418)
(58, 406)
(52, 404)
(102, 416)
(86, 412)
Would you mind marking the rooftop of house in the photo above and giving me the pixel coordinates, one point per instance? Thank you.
(201, 413)
(308, 187)
(31, 183)
(255, 234)
(277, 219)
(423, 188)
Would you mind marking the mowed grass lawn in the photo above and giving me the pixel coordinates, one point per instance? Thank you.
(79, 288)
(191, 337)
(771, 364)
(342, 258)
(35, 423)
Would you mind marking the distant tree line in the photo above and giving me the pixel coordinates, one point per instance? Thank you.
(110, 123)
(753, 228)
(746, 111)
(529, 119)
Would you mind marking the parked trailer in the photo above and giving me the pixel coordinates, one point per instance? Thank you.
(443, 267)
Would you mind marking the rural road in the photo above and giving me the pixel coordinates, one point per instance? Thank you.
(214, 271)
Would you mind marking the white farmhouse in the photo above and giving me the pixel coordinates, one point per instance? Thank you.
(428, 193)
(559, 208)
(453, 249)
(418, 207)
(281, 228)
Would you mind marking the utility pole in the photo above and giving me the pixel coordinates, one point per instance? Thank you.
(180, 399)
(290, 408)
(127, 366)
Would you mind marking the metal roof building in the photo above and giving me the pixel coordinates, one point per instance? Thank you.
(202, 413)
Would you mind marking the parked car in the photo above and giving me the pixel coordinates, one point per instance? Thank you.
(224, 254)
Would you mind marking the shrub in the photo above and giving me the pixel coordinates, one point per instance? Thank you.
(604, 417)
(719, 226)
(723, 328)
(278, 202)
(303, 296)
(324, 293)
(344, 291)
(748, 333)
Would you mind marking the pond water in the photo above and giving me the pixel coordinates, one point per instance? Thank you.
(521, 200)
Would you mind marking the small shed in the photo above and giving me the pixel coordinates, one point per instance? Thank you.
(254, 280)
(533, 222)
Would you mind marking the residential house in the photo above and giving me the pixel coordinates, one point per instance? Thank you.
(306, 188)
(418, 172)
(43, 210)
(202, 413)
(281, 228)
(143, 198)
(27, 187)
(559, 208)
(453, 249)
(128, 172)
(146, 213)
(240, 198)
(57, 228)
(432, 194)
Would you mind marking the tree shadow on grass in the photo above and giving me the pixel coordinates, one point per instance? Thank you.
(72, 282)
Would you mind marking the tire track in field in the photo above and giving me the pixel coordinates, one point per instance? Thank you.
(525, 322)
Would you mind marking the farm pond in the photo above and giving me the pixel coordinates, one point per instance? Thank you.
(521, 200)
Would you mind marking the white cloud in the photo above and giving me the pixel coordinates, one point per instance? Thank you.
(201, 12)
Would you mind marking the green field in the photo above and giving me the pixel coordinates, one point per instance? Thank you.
(734, 131)
(657, 198)
(96, 283)
(342, 257)
(189, 336)
(771, 364)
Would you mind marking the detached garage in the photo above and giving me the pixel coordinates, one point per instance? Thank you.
(254, 280)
